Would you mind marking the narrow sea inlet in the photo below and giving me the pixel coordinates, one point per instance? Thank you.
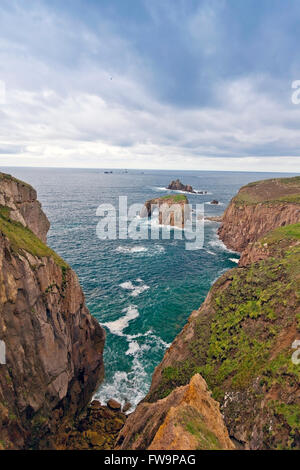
(142, 292)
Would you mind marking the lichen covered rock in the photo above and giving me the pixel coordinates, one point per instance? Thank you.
(188, 419)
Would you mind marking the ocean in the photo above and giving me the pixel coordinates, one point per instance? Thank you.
(141, 291)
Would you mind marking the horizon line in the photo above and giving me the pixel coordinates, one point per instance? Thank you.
(145, 169)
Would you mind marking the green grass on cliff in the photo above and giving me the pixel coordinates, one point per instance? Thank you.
(23, 240)
(7, 177)
(273, 191)
(244, 337)
(234, 343)
(175, 197)
(289, 232)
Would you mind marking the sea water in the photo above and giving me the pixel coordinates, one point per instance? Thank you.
(142, 292)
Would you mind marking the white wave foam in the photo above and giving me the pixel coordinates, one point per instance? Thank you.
(136, 290)
(217, 243)
(140, 250)
(234, 260)
(132, 386)
(116, 327)
(198, 192)
(211, 252)
(133, 348)
(132, 249)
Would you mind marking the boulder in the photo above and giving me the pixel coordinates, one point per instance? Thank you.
(114, 405)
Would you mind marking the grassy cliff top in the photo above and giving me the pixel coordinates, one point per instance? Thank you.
(175, 198)
(23, 240)
(277, 190)
(289, 233)
(6, 177)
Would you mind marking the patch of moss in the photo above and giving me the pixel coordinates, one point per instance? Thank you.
(290, 413)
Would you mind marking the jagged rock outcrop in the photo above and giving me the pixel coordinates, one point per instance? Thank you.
(242, 338)
(174, 210)
(53, 345)
(97, 429)
(187, 419)
(258, 208)
(176, 185)
(24, 207)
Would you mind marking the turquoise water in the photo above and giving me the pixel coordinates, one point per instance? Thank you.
(141, 291)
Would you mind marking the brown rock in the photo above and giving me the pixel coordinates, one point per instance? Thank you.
(215, 202)
(259, 208)
(126, 407)
(114, 405)
(178, 186)
(173, 210)
(187, 419)
(21, 199)
(217, 218)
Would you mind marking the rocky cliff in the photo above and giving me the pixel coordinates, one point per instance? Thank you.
(241, 339)
(53, 345)
(258, 208)
(187, 419)
(21, 200)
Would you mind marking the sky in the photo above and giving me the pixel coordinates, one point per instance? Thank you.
(150, 84)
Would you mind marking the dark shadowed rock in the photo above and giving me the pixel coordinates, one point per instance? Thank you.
(178, 186)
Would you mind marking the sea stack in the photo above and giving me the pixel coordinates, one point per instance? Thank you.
(174, 210)
(178, 186)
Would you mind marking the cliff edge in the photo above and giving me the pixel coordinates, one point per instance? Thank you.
(258, 208)
(53, 345)
(242, 339)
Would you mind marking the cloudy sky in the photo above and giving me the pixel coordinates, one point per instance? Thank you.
(171, 84)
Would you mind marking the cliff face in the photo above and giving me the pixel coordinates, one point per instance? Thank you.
(53, 345)
(257, 209)
(241, 339)
(21, 199)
